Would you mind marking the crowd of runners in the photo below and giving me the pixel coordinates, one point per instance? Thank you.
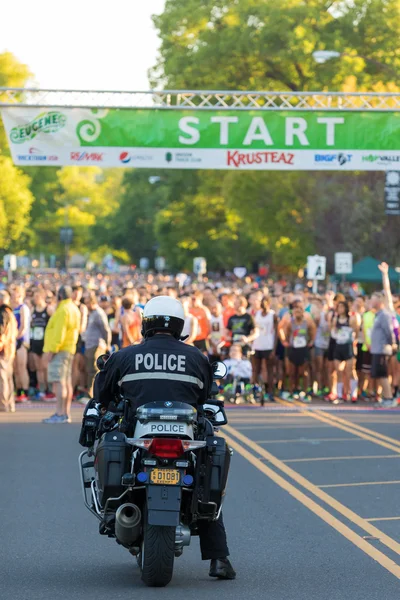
(275, 341)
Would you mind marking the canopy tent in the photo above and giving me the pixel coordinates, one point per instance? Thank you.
(366, 270)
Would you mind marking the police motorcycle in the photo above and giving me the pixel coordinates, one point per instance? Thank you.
(152, 476)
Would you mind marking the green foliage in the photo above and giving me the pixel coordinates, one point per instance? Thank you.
(12, 74)
(15, 203)
(278, 211)
(252, 45)
(133, 223)
(83, 198)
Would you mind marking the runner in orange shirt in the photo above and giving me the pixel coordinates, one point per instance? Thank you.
(131, 323)
(203, 317)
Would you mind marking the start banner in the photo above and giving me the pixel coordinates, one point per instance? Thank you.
(204, 139)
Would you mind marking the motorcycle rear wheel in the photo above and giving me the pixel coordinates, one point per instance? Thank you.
(156, 559)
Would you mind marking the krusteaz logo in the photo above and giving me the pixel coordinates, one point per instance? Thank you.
(48, 122)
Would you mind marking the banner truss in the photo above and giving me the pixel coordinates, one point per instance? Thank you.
(200, 100)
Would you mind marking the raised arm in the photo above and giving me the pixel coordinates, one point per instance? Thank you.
(384, 269)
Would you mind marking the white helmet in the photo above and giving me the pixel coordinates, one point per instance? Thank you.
(163, 313)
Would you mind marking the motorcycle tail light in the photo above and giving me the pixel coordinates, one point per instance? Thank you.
(166, 447)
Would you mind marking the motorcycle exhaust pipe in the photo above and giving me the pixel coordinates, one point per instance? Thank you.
(128, 524)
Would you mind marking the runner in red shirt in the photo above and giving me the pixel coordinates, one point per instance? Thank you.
(228, 307)
(203, 317)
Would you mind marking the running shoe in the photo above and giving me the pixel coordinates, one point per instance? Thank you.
(389, 403)
(305, 397)
(56, 419)
(331, 397)
(21, 399)
(285, 395)
(271, 398)
(49, 397)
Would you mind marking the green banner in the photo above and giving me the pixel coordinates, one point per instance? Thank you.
(215, 139)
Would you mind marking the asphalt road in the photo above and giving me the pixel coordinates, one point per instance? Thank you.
(312, 513)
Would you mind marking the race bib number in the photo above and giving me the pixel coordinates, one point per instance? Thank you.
(38, 334)
(299, 342)
(237, 337)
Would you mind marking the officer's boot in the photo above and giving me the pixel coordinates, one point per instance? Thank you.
(222, 569)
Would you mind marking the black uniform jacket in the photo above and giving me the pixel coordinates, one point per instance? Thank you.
(160, 368)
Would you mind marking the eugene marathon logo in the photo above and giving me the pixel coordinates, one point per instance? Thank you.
(48, 122)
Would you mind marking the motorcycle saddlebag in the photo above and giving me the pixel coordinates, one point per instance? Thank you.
(217, 460)
(111, 463)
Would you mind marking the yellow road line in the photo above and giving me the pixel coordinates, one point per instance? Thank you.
(346, 422)
(384, 519)
(261, 426)
(278, 415)
(335, 485)
(289, 460)
(319, 416)
(323, 514)
(309, 440)
(316, 491)
(364, 429)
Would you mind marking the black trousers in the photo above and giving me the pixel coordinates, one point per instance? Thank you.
(213, 542)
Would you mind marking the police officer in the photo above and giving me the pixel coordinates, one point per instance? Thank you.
(164, 367)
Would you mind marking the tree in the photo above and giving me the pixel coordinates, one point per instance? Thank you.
(250, 45)
(84, 198)
(133, 224)
(15, 203)
(15, 75)
(278, 211)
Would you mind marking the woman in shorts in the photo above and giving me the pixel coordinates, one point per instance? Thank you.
(345, 329)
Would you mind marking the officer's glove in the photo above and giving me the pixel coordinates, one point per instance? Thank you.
(90, 424)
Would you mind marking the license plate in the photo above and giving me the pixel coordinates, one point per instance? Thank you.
(165, 476)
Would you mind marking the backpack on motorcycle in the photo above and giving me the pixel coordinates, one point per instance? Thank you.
(111, 463)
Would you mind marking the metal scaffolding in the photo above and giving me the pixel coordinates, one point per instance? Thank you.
(201, 100)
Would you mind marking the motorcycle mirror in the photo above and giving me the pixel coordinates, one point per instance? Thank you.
(220, 370)
(101, 361)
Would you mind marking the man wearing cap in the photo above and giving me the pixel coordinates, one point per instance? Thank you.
(60, 340)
